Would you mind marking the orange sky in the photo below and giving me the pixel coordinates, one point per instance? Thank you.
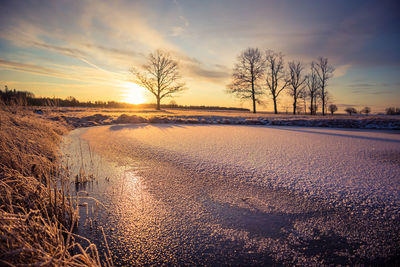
(86, 48)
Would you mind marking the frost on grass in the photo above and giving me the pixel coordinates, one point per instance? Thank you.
(36, 217)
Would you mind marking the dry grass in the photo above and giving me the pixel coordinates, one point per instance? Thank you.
(36, 215)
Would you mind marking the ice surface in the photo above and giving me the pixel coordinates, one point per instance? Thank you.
(327, 163)
(305, 196)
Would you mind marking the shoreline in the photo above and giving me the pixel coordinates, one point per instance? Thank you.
(77, 118)
(37, 214)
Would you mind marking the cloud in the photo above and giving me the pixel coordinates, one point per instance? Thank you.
(78, 53)
(194, 69)
(373, 91)
(97, 42)
(180, 29)
(210, 74)
(115, 51)
(119, 24)
(35, 69)
(197, 70)
(348, 42)
(373, 85)
(67, 31)
(74, 73)
(341, 70)
(60, 49)
(177, 31)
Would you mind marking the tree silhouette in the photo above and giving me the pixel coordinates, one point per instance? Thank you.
(324, 72)
(296, 82)
(247, 73)
(393, 111)
(366, 110)
(275, 75)
(160, 76)
(303, 96)
(351, 111)
(332, 108)
(312, 85)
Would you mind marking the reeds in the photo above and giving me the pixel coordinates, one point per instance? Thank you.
(37, 216)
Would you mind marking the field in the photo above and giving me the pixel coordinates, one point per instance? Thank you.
(83, 117)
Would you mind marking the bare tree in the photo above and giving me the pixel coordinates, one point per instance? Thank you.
(332, 108)
(393, 111)
(327, 100)
(312, 85)
(366, 110)
(247, 74)
(351, 111)
(303, 96)
(296, 81)
(160, 76)
(275, 75)
(324, 72)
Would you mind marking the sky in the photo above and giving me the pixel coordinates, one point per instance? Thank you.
(86, 48)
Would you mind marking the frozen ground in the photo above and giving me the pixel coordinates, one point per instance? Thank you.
(84, 117)
(223, 194)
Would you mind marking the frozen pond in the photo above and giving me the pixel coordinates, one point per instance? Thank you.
(252, 195)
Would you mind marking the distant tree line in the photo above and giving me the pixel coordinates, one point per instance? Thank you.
(257, 73)
(25, 98)
(393, 111)
(351, 110)
(14, 97)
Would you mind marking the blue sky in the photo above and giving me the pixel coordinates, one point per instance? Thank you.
(86, 48)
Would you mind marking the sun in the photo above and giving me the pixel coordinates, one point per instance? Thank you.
(133, 94)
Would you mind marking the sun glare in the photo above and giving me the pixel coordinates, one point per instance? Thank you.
(134, 94)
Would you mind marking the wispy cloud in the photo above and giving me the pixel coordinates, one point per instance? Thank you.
(371, 85)
(122, 25)
(341, 70)
(181, 28)
(177, 31)
(35, 69)
(74, 73)
(374, 89)
(97, 42)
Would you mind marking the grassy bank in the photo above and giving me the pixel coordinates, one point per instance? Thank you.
(37, 216)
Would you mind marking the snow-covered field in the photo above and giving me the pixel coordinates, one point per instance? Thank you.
(311, 195)
(84, 117)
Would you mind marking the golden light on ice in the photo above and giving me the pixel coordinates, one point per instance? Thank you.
(134, 94)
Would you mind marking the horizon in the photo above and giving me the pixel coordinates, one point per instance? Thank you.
(85, 49)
